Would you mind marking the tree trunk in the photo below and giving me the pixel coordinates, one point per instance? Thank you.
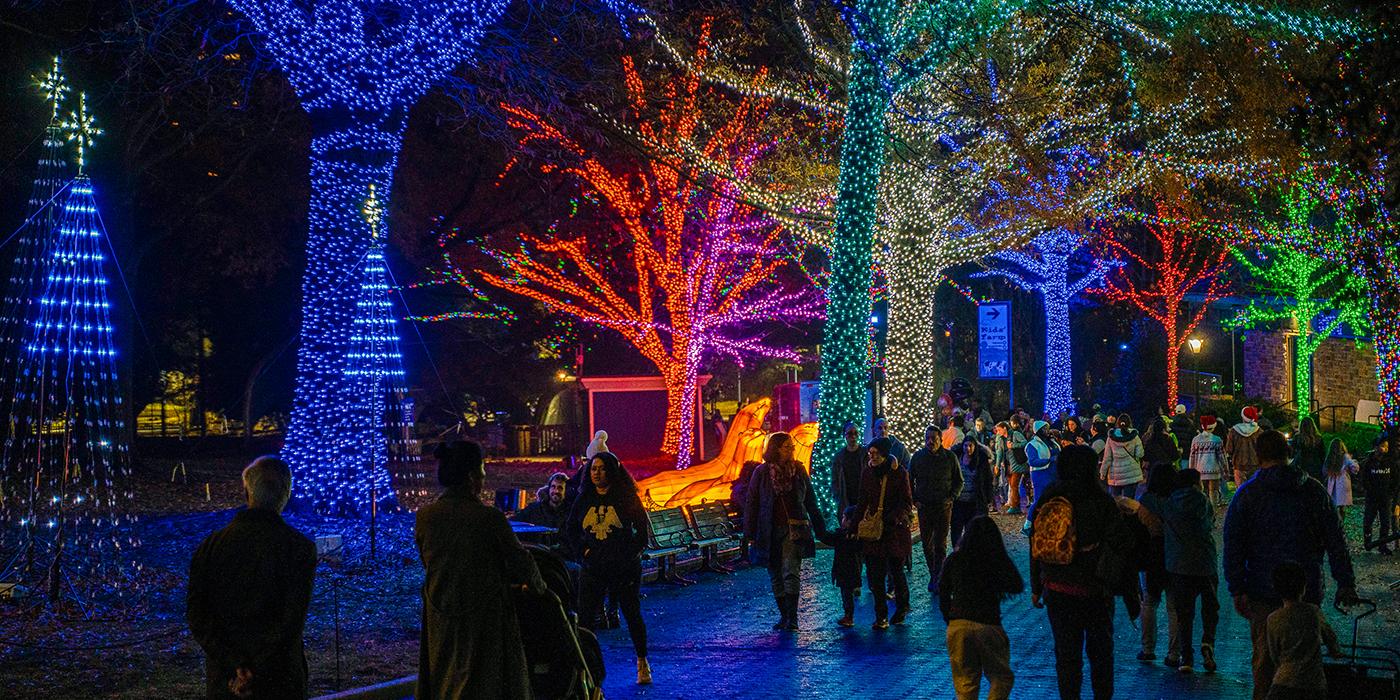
(1385, 333)
(1173, 365)
(679, 437)
(845, 372)
(1059, 361)
(327, 446)
(911, 366)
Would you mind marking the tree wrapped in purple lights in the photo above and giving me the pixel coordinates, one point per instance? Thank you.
(687, 266)
(1045, 268)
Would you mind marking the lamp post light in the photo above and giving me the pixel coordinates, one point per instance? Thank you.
(1195, 345)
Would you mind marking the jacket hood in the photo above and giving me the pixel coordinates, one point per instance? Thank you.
(1246, 429)
(1123, 434)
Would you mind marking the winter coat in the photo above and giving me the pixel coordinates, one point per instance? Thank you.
(1019, 458)
(1380, 474)
(1184, 430)
(951, 437)
(1339, 484)
(470, 642)
(895, 540)
(758, 516)
(846, 560)
(1188, 526)
(899, 452)
(1279, 515)
(1162, 449)
(249, 588)
(1095, 514)
(543, 514)
(1239, 448)
(935, 476)
(1309, 458)
(1121, 464)
(1041, 454)
(976, 479)
(845, 477)
(1207, 456)
(1001, 453)
(608, 531)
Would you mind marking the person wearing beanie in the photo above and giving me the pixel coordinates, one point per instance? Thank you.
(1041, 453)
(1184, 430)
(885, 492)
(1207, 457)
(1121, 463)
(1240, 454)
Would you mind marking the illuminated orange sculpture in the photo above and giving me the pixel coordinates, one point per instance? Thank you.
(713, 480)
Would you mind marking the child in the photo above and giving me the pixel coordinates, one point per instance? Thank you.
(1296, 633)
(846, 564)
(1339, 468)
(977, 576)
(1188, 521)
(1207, 457)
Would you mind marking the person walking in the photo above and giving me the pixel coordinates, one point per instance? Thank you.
(1150, 511)
(845, 563)
(1279, 515)
(470, 643)
(608, 528)
(1339, 468)
(979, 575)
(1296, 633)
(1041, 453)
(1207, 458)
(881, 429)
(782, 519)
(937, 478)
(1309, 450)
(1076, 517)
(1121, 464)
(1019, 480)
(1001, 465)
(1159, 447)
(1188, 524)
(1098, 436)
(1240, 452)
(846, 467)
(886, 498)
(249, 588)
(1380, 476)
(975, 492)
(1184, 430)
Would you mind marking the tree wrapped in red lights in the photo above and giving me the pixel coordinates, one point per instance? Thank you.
(1163, 260)
(681, 266)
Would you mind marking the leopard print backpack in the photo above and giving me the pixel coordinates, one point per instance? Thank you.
(1052, 534)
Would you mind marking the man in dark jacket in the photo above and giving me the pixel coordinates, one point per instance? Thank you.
(1078, 602)
(1183, 429)
(250, 585)
(936, 478)
(845, 469)
(549, 509)
(1380, 476)
(1280, 515)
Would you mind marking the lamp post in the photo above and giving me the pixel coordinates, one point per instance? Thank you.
(1195, 345)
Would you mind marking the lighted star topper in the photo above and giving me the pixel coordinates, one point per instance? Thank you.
(373, 212)
(82, 129)
(54, 86)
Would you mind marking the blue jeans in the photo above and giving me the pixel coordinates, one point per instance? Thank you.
(1040, 480)
(1129, 490)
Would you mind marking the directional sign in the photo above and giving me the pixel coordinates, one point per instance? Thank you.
(994, 340)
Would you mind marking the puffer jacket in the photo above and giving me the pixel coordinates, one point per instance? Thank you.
(1041, 454)
(1121, 463)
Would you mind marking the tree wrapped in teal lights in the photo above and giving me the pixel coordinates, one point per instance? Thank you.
(66, 478)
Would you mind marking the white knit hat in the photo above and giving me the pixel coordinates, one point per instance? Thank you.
(599, 444)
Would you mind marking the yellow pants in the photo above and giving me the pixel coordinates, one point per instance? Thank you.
(976, 650)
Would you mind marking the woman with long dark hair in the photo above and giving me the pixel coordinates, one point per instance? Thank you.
(780, 520)
(975, 495)
(887, 497)
(608, 528)
(977, 577)
(1309, 451)
(470, 644)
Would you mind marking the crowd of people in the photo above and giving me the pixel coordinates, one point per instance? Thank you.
(1110, 515)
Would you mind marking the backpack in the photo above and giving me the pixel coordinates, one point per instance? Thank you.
(1052, 534)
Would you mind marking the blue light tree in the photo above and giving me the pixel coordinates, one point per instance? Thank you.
(66, 477)
(358, 67)
(1046, 269)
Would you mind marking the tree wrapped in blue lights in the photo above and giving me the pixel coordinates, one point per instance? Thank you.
(66, 473)
(358, 68)
(1046, 269)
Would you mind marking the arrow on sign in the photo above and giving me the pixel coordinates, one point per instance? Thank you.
(994, 313)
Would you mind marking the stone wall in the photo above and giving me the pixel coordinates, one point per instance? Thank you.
(1268, 362)
(1344, 374)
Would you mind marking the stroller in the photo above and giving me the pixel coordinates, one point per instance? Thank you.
(1367, 672)
(566, 662)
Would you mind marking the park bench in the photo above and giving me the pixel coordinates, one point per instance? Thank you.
(712, 528)
(670, 535)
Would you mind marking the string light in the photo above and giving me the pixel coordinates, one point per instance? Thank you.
(701, 264)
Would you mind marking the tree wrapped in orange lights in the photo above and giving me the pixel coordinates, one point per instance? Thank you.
(1162, 262)
(682, 267)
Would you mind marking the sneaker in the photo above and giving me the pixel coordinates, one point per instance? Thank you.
(1146, 656)
(880, 625)
(643, 672)
(1172, 660)
(1208, 658)
(847, 621)
(899, 615)
(1013, 511)
(1185, 668)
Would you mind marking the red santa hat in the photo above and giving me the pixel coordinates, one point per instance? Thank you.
(1207, 422)
(1250, 413)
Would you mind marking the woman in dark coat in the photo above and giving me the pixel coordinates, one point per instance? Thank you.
(780, 519)
(608, 527)
(1309, 452)
(470, 644)
(886, 557)
(975, 495)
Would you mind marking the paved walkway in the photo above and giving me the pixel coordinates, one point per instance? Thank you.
(712, 640)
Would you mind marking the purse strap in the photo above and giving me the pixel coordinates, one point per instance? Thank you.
(880, 509)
